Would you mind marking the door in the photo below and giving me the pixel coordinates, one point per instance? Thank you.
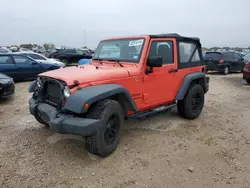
(160, 86)
(26, 68)
(7, 65)
(70, 55)
(229, 60)
(239, 62)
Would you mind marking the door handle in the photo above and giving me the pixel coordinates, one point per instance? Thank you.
(173, 70)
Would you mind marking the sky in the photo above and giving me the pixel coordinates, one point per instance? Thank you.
(64, 22)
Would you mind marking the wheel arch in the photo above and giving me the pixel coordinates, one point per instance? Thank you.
(93, 94)
(189, 80)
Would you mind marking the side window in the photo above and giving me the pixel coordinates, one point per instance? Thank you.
(225, 55)
(5, 60)
(21, 59)
(164, 49)
(189, 55)
(69, 51)
(196, 56)
(237, 57)
(36, 57)
(230, 55)
(186, 51)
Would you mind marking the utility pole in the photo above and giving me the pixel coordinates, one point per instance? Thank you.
(84, 35)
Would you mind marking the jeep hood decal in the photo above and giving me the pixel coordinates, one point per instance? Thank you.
(87, 73)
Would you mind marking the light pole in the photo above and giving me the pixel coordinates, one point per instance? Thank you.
(84, 35)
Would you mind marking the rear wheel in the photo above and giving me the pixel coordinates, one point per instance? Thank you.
(226, 70)
(107, 138)
(248, 80)
(192, 104)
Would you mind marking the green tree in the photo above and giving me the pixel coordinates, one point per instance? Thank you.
(226, 48)
(29, 46)
(48, 46)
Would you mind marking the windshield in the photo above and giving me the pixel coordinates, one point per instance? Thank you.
(247, 56)
(128, 50)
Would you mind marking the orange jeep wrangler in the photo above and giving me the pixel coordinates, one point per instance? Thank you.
(129, 77)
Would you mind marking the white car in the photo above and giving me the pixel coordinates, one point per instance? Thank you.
(4, 50)
(42, 59)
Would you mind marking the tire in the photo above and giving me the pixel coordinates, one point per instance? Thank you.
(248, 80)
(107, 138)
(226, 70)
(192, 104)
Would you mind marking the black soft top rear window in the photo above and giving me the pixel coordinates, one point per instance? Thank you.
(213, 56)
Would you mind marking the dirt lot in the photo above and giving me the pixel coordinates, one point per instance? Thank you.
(163, 151)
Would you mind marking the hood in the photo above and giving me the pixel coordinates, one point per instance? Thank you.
(87, 73)
(50, 61)
(3, 76)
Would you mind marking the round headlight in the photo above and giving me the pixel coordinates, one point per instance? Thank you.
(66, 92)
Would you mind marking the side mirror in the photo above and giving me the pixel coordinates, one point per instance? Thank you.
(33, 62)
(154, 61)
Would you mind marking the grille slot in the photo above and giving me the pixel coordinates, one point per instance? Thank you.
(53, 92)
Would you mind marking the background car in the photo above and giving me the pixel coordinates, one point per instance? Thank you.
(7, 86)
(69, 56)
(246, 71)
(25, 50)
(4, 50)
(224, 62)
(50, 53)
(42, 59)
(20, 67)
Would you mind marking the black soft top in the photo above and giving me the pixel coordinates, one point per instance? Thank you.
(177, 36)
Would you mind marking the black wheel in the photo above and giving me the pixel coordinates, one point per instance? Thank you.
(192, 104)
(226, 70)
(248, 80)
(107, 138)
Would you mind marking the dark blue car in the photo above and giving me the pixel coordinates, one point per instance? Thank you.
(20, 67)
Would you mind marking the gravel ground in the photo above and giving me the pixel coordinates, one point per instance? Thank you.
(162, 151)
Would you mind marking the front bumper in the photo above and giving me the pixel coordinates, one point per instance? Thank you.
(219, 68)
(246, 74)
(63, 122)
(6, 90)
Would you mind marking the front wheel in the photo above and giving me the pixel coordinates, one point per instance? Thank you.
(192, 104)
(106, 140)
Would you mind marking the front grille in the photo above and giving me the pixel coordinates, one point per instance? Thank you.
(53, 92)
(9, 87)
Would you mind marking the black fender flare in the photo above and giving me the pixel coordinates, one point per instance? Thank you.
(32, 87)
(188, 79)
(89, 95)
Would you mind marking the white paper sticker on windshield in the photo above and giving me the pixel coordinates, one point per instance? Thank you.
(136, 42)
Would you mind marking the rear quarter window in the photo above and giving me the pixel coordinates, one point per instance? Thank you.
(5, 60)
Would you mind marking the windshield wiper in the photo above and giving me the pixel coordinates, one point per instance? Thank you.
(118, 62)
(99, 60)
